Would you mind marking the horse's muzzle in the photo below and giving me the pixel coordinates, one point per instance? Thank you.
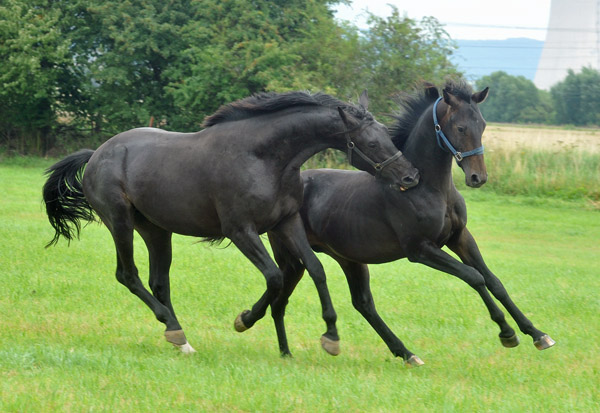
(407, 182)
(476, 180)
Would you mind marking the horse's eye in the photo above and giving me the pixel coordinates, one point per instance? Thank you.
(461, 129)
(372, 145)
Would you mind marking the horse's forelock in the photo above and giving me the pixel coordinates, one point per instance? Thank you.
(459, 88)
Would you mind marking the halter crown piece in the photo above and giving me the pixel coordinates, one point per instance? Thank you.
(442, 138)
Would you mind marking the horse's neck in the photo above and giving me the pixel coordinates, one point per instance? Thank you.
(306, 135)
(422, 150)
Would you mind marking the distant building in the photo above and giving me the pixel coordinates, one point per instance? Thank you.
(572, 41)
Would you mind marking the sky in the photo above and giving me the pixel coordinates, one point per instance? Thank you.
(464, 19)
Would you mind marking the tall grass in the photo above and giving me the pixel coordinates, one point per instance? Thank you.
(535, 172)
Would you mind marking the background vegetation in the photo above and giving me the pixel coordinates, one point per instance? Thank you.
(72, 69)
(74, 72)
(74, 339)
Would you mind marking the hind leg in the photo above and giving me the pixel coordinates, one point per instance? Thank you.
(358, 279)
(119, 220)
(158, 242)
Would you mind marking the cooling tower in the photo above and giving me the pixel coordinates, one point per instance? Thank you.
(572, 40)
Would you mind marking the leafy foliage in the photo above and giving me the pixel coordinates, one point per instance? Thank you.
(400, 52)
(514, 99)
(33, 60)
(78, 67)
(80, 70)
(577, 98)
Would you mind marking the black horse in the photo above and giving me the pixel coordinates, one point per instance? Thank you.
(237, 178)
(359, 221)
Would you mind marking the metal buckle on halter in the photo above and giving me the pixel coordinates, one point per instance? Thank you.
(350, 145)
(458, 156)
(378, 167)
(438, 128)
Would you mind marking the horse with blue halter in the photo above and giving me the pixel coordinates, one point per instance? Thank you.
(358, 221)
(237, 178)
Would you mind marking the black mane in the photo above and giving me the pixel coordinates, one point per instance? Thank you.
(270, 102)
(412, 106)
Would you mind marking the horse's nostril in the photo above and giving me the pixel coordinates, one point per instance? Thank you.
(410, 181)
(475, 178)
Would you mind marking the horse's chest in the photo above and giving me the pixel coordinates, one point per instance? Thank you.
(279, 203)
(446, 229)
(449, 225)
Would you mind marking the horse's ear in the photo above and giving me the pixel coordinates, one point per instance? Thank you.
(449, 98)
(363, 100)
(479, 97)
(344, 117)
(431, 91)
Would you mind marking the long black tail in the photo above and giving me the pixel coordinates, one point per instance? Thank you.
(63, 195)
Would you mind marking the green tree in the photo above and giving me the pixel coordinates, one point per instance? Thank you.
(236, 48)
(577, 98)
(102, 67)
(33, 59)
(514, 99)
(400, 53)
(122, 51)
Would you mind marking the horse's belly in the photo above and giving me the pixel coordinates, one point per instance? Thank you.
(198, 221)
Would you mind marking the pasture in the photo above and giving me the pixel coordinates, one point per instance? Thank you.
(73, 339)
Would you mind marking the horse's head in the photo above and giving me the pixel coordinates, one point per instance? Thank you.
(460, 130)
(370, 149)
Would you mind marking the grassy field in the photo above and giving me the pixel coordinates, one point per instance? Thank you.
(73, 339)
(509, 137)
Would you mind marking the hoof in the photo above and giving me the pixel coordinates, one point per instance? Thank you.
(176, 337)
(414, 361)
(510, 341)
(238, 324)
(544, 342)
(330, 346)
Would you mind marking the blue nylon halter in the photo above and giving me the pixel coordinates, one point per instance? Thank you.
(442, 138)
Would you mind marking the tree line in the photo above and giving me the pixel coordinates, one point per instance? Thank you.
(515, 99)
(75, 71)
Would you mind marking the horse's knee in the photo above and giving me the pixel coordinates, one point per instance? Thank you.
(315, 270)
(274, 281)
(475, 279)
(362, 304)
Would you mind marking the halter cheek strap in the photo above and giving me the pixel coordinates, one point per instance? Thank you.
(378, 166)
(443, 140)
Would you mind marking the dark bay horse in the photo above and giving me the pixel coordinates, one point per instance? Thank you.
(358, 221)
(237, 178)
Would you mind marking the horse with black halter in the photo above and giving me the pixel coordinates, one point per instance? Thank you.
(237, 178)
(358, 220)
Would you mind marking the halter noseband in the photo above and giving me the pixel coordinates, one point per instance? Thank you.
(442, 138)
(351, 147)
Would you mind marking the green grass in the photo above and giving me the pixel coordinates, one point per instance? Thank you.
(73, 339)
